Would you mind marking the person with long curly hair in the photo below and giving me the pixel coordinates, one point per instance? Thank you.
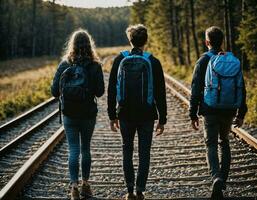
(77, 82)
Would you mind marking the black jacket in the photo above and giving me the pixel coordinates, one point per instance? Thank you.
(96, 84)
(197, 105)
(159, 94)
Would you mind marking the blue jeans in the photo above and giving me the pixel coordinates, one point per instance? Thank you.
(218, 126)
(145, 134)
(79, 133)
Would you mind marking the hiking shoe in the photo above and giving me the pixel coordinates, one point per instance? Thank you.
(74, 193)
(85, 191)
(130, 196)
(217, 186)
(140, 196)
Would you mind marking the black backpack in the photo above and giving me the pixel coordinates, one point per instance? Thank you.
(75, 95)
(135, 82)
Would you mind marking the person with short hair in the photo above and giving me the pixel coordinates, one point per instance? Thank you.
(220, 97)
(137, 85)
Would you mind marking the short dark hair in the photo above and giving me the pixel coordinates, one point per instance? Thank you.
(137, 35)
(215, 36)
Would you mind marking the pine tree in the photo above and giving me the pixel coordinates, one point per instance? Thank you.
(248, 32)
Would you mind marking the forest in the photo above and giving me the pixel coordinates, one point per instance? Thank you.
(31, 28)
(177, 27)
(177, 35)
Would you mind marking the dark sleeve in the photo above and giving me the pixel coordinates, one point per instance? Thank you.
(55, 84)
(112, 88)
(243, 108)
(99, 90)
(160, 91)
(197, 86)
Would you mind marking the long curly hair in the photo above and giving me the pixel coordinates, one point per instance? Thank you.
(80, 47)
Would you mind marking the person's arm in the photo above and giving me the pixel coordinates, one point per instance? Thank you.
(197, 89)
(112, 89)
(197, 86)
(99, 90)
(55, 84)
(242, 110)
(160, 92)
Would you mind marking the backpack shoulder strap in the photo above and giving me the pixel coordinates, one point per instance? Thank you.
(125, 53)
(146, 55)
(209, 54)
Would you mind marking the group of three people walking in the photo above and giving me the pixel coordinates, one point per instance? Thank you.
(136, 98)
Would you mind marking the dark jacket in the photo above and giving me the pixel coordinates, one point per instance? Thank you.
(96, 85)
(197, 105)
(159, 94)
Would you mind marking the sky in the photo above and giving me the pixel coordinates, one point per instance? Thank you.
(94, 3)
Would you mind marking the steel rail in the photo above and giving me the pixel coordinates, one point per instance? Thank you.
(26, 114)
(27, 133)
(18, 181)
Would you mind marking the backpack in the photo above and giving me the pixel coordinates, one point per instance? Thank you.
(135, 81)
(74, 90)
(223, 81)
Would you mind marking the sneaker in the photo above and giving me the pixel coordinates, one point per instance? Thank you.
(130, 196)
(85, 191)
(217, 186)
(74, 193)
(140, 196)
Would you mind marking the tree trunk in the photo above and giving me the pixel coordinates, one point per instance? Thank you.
(173, 32)
(231, 26)
(226, 24)
(179, 42)
(33, 28)
(179, 37)
(244, 61)
(193, 29)
(187, 35)
(53, 28)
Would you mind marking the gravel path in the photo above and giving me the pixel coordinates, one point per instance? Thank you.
(178, 166)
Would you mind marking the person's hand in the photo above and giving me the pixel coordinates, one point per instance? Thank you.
(159, 129)
(114, 124)
(195, 124)
(238, 122)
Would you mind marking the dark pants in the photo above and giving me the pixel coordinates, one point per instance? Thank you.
(79, 133)
(145, 134)
(218, 126)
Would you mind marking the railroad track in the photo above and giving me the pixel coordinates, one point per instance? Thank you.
(18, 125)
(178, 167)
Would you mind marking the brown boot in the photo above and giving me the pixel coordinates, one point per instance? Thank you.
(74, 193)
(85, 190)
(130, 196)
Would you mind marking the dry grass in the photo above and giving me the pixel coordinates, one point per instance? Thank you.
(110, 51)
(24, 90)
(26, 82)
(12, 67)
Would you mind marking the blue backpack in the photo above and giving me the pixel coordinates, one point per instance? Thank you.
(223, 81)
(135, 81)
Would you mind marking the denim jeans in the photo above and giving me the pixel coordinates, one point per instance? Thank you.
(145, 134)
(218, 126)
(79, 133)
